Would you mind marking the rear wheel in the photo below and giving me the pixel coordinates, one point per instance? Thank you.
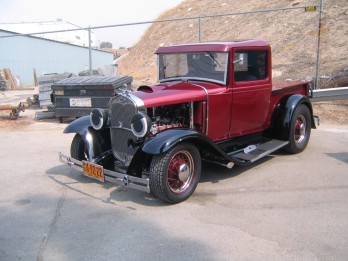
(78, 149)
(176, 173)
(300, 129)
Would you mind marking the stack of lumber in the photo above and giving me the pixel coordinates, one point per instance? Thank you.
(10, 80)
(45, 83)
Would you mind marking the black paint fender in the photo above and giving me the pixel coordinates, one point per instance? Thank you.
(167, 139)
(97, 142)
(291, 105)
(79, 126)
(284, 112)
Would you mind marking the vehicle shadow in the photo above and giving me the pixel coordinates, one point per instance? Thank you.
(211, 173)
(71, 178)
(215, 173)
(341, 156)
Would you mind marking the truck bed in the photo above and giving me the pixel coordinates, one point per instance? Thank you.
(291, 87)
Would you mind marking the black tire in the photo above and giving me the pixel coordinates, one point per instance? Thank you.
(175, 174)
(78, 149)
(300, 130)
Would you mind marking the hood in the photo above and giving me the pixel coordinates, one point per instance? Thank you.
(171, 93)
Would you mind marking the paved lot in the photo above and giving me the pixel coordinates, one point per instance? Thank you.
(287, 207)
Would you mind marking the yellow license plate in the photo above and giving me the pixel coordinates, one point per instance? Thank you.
(93, 170)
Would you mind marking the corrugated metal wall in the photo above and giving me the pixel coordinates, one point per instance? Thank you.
(22, 54)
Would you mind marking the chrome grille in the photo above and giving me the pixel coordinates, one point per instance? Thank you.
(122, 109)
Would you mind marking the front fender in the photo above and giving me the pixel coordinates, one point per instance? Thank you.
(79, 126)
(167, 139)
(97, 142)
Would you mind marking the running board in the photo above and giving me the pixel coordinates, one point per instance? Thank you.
(253, 153)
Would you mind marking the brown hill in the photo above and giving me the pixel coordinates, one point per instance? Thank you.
(292, 35)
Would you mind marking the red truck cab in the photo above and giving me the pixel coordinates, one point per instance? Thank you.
(214, 102)
(243, 99)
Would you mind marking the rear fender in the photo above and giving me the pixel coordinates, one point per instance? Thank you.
(285, 110)
(97, 142)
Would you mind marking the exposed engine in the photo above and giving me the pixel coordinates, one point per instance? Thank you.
(169, 116)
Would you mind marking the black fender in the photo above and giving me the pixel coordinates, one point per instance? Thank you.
(79, 126)
(284, 112)
(169, 138)
(97, 142)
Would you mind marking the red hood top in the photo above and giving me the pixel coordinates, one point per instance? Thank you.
(175, 92)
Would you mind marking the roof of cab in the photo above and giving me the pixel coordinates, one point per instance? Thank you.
(212, 46)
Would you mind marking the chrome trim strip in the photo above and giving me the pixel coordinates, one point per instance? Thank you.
(207, 116)
(139, 103)
(121, 179)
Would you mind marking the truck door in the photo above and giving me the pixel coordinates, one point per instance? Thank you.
(251, 90)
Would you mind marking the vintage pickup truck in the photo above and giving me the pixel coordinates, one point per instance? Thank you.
(215, 102)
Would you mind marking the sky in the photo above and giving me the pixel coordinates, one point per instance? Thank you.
(90, 13)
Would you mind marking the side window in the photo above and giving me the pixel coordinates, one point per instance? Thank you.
(250, 65)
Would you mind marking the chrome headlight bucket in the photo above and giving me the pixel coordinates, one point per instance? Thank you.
(99, 118)
(140, 124)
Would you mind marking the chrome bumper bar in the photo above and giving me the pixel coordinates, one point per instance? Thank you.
(124, 180)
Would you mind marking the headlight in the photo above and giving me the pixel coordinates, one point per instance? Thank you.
(140, 124)
(99, 118)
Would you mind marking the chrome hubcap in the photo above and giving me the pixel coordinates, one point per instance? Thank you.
(184, 172)
(180, 171)
(300, 129)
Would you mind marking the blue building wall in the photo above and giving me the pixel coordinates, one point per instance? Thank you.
(23, 54)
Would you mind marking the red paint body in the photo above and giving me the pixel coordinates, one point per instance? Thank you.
(235, 108)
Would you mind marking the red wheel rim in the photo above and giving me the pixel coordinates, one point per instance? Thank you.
(180, 171)
(300, 129)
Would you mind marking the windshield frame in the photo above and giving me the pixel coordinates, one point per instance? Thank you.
(187, 78)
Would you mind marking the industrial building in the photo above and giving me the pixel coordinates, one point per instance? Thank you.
(59, 31)
(24, 54)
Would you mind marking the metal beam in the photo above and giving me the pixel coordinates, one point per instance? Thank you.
(331, 94)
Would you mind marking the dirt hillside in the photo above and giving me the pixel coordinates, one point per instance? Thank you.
(292, 35)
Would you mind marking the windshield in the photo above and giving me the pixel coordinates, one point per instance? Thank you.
(206, 66)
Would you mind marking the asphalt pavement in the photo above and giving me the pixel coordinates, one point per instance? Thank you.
(284, 207)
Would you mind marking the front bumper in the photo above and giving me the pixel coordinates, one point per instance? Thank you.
(124, 180)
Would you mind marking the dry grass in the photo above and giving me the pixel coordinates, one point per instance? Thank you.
(292, 35)
(332, 111)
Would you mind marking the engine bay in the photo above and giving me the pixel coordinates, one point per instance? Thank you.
(169, 116)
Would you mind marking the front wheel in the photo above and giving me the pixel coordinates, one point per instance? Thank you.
(78, 149)
(300, 130)
(175, 174)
